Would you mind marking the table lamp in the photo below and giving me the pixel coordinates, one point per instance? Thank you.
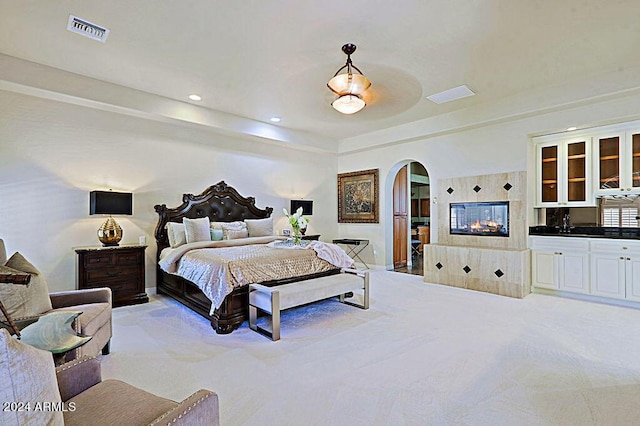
(307, 206)
(109, 202)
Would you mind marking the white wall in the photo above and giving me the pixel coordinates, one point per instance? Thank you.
(485, 149)
(52, 154)
(54, 150)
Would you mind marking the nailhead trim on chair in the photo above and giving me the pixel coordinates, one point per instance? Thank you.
(73, 363)
(175, 419)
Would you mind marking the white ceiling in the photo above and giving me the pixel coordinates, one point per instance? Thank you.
(261, 58)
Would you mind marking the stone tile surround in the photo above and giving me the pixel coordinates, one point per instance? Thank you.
(498, 265)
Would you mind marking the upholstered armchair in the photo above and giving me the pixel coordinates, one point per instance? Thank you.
(77, 395)
(33, 300)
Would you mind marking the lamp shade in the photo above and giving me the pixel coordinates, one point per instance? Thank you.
(348, 104)
(349, 83)
(109, 202)
(307, 206)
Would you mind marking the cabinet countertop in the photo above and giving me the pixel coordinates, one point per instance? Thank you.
(586, 232)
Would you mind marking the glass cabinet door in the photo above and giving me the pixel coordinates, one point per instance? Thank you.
(577, 171)
(609, 162)
(549, 181)
(635, 160)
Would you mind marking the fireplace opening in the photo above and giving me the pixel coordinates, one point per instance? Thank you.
(480, 219)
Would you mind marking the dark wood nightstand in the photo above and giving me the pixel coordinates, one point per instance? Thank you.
(120, 268)
(310, 237)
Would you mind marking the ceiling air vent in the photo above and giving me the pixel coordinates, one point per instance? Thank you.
(87, 29)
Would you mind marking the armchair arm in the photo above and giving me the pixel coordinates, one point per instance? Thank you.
(64, 299)
(201, 408)
(76, 376)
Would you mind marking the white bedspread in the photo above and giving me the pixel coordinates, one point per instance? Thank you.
(218, 267)
(332, 253)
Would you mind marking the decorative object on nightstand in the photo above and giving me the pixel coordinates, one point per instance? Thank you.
(109, 202)
(120, 268)
(297, 222)
(307, 209)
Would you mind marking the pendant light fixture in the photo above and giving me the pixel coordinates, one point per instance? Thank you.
(349, 86)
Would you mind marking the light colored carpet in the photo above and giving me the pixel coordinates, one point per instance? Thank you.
(423, 354)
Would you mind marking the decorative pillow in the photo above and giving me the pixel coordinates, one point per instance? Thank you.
(233, 234)
(229, 226)
(260, 227)
(176, 234)
(24, 300)
(197, 229)
(27, 375)
(216, 234)
(3, 253)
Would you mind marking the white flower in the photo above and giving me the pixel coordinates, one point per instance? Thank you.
(296, 220)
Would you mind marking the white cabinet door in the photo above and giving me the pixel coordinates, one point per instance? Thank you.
(608, 275)
(632, 266)
(544, 269)
(573, 272)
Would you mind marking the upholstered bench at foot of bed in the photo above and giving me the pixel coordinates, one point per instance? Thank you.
(273, 300)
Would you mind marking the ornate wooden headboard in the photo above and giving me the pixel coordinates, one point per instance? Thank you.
(219, 202)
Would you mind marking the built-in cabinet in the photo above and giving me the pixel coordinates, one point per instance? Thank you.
(564, 173)
(595, 266)
(573, 169)
(561, 265)
(617, 167)
(615, 269)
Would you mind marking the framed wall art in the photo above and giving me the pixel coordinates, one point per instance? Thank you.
(358, 197)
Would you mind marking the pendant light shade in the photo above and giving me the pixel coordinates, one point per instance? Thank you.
(348, 85)
(348, 104)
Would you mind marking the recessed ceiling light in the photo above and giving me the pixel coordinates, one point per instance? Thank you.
(571, 129)
(451, 94)
(195, 97)
(275, 119)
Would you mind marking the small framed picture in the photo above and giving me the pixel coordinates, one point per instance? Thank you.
(286, 232)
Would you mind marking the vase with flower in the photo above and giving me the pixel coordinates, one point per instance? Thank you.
(297, 222)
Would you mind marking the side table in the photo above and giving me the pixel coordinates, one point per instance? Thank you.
(355, 247)
(121, 268)
(54, 332)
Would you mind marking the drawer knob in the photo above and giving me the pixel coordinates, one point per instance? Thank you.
(624, 248)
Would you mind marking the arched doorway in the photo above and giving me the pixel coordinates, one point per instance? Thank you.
(411, 200)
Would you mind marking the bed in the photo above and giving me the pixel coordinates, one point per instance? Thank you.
(220, 203)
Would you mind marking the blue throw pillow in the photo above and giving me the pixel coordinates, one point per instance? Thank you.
(216, 234)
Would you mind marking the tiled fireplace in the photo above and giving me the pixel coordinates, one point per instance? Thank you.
(481, 235)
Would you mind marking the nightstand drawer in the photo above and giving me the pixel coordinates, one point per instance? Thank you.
(111, 274)
(98, 260)
(128, 258)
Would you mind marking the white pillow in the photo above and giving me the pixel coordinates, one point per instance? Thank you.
(233, 234)
(27, 375)
(24, 300)
(197, 229)
(229, 226)
(260, 227)
(176, 234)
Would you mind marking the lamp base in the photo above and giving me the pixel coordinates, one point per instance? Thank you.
(110, 233)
